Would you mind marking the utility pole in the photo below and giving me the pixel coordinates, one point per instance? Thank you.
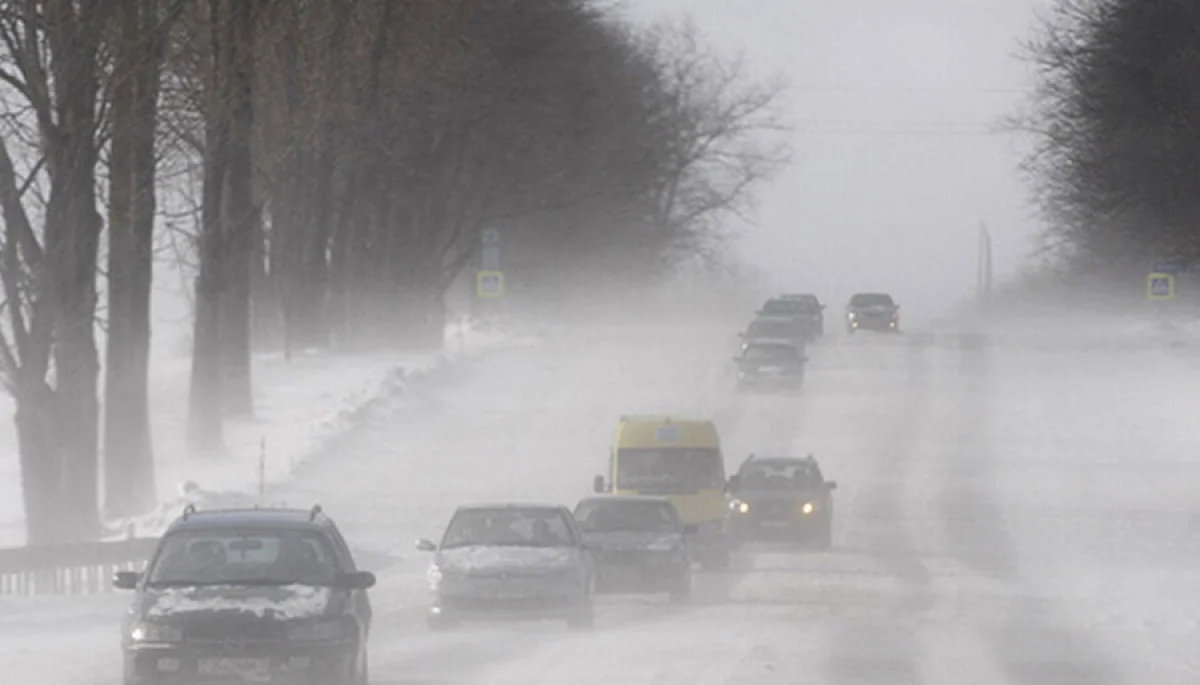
(983, 266)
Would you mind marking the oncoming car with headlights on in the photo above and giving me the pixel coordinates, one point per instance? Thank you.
(510, 561)
(782, 498)
(637, 544)
(257, 595)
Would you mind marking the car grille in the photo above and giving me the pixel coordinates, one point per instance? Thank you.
(222, 629)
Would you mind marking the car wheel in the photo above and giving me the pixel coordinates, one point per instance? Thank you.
(682, 592)
(825, 535)
(583, 619)
(717, 562)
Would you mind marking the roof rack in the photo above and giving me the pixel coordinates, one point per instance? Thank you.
(315, 512)
(189, 510)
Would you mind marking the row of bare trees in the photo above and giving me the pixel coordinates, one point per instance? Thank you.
(1117, 112)
(351, 152)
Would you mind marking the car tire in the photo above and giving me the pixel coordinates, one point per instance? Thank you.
(718, 562)
(583, 619)
(682, 592)
(824, 538)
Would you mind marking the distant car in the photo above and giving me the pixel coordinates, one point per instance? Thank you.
(782, 497)
(872, 311)
(815, 311)
(780, 329)
(770, 366)
(259, 595)
(510, 561)
(638, 545)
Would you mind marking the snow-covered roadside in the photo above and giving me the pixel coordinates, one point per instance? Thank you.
(299, 405)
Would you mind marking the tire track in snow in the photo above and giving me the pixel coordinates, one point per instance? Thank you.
(1028, 646)
(875, 651)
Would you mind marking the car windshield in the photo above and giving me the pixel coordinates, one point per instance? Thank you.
(871, 300)
(770, 354)
(783, 307)
(222, 556)
(787, 475)
(670, 470)
(596, 516)
(771, 329)
(509, 527)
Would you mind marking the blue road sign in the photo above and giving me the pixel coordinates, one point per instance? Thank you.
(1160, 286)
(1168, 267)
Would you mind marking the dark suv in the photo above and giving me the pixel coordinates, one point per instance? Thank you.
(248, 595)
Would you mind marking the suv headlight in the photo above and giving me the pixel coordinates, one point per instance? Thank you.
(324, 631)
(150, 632)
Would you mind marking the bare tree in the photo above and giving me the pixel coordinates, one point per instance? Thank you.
(50, 285)
(142, 29)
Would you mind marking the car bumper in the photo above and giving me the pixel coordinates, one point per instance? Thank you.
(645, 576)
(771, 381)
(493, 606)
(215, 665)
(750, 527)
(874, 324)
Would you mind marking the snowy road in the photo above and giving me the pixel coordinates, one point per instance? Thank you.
(1005, 514)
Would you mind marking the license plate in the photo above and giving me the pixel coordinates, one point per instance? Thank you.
(250, 670)
(776, 524)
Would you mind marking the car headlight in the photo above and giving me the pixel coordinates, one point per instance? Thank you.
(147, 631)
(852, 316)
(324, 631)
(739, 506)
(808, 507)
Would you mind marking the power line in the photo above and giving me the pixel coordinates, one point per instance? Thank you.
(988, 90)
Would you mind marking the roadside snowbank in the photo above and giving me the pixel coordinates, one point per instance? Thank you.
(299, 405)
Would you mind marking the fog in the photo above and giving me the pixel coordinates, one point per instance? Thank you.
(1016, 495)
(897, 163)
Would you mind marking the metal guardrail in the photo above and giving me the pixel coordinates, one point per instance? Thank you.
(75, 569)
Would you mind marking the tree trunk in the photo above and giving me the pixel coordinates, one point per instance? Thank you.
(72, 240)
(238, 398)
(204, 418)
(128, 453)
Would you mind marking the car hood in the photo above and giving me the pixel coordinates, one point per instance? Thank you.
(873, 309)
(277, 602)
(633, 540)
(479, 560)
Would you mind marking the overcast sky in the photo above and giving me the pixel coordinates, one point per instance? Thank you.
(895, 167)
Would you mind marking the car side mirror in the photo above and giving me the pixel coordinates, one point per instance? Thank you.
(424, 545)
(735, 482)
(803, 360)
(598, 485)
(358, 580)
(691, 529)
(831, 484)
(736, 359)
(126, 580)
(741, 334)
(822, 306)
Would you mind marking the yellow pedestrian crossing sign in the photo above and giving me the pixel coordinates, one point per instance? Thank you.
(489, 284)
(1160, 286)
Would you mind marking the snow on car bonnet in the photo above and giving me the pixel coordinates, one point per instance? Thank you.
(284, 602)
(478, 558)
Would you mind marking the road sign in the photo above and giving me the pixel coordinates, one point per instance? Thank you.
(1160, 286)
(489, 284)
(490, 236)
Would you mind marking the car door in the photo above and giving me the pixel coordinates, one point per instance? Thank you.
(585, 554)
